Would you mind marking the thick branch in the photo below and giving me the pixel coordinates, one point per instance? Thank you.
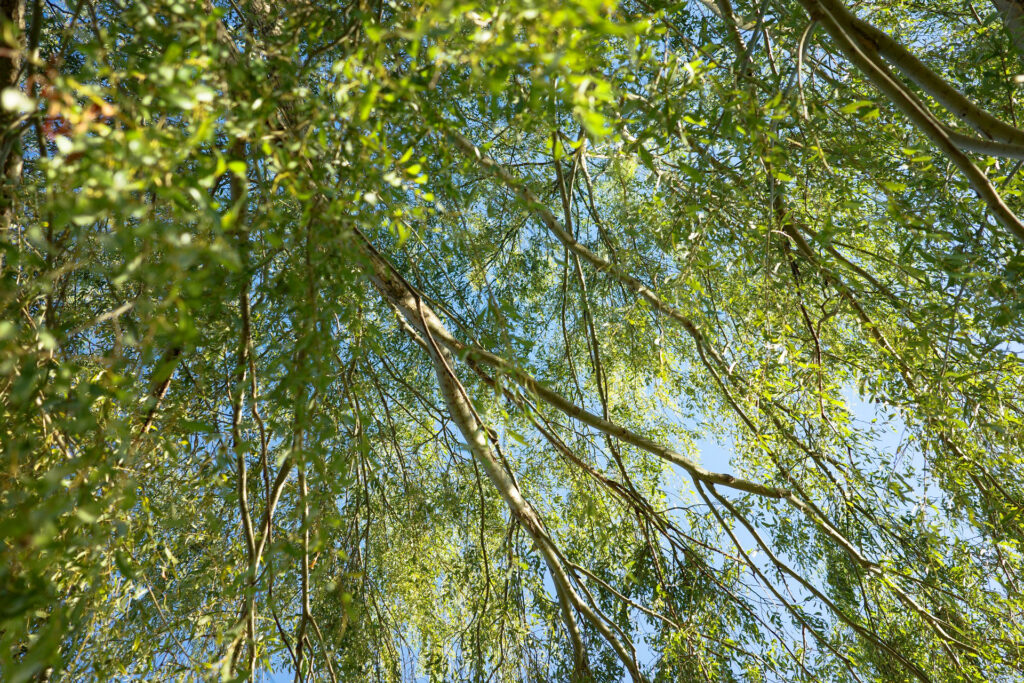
(866, 60)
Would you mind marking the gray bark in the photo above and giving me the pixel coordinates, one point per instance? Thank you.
(1012, 14)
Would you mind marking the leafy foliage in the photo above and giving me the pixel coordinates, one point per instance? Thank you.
(514, 341)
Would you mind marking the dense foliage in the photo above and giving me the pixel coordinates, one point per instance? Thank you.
(511, 341)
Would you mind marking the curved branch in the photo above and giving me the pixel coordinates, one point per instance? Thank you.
(868, 64)
(955, 102)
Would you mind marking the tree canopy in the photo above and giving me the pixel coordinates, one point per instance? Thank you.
(511, 341)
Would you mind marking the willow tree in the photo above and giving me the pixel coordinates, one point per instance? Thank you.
(511, 341)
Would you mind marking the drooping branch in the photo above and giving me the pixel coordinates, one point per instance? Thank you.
(430, 327)
(429, 331)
